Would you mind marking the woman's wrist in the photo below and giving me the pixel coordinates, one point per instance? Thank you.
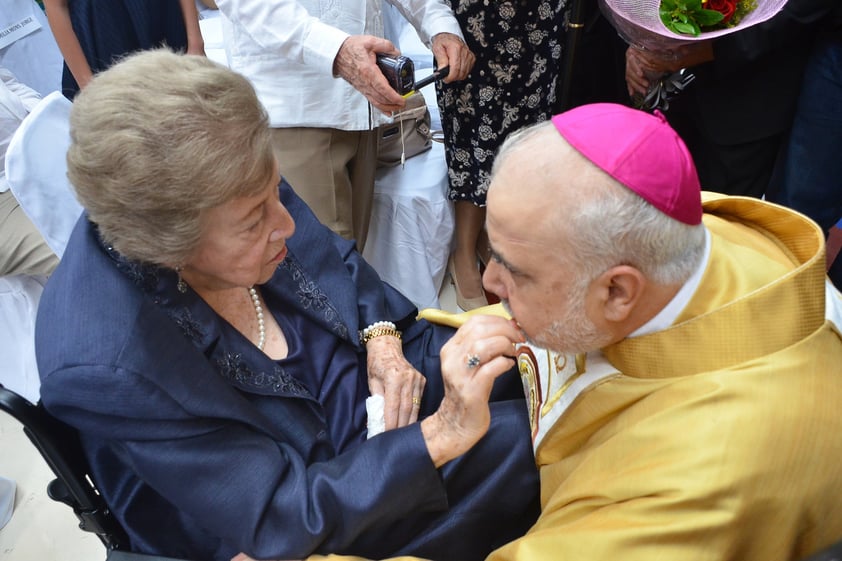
(379, 329)
(443, 442)
(437, 444)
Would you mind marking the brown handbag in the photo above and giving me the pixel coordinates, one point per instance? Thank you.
(408, 135)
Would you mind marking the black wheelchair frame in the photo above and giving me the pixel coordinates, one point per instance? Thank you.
(60, 447)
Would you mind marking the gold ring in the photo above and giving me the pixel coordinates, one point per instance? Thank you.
(416, 400)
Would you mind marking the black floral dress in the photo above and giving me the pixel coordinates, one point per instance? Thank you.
(518, 46)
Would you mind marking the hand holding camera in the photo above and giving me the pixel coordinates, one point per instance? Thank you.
(400, 72)
(353, 62)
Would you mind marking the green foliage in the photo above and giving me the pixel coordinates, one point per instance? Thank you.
(743, 7)
(687, 17)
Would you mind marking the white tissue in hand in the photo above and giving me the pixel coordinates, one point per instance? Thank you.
(374, 406)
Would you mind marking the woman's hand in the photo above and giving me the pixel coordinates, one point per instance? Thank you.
(481, 350)
(390, 375)
(450, 50)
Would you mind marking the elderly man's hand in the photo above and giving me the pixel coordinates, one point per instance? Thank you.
(390, 375)
(356, 62)
(644, 65)
(450, 50)
(638, 72)
(481, 350)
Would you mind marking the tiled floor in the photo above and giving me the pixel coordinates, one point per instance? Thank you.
(41, 529)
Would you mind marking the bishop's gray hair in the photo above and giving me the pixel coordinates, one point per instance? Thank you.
(611, 225)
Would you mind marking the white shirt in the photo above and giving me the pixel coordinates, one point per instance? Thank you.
(16, 101)
(286, 48)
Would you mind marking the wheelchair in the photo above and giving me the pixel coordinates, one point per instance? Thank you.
(60, 447)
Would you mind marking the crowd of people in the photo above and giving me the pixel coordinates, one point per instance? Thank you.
(658, 381)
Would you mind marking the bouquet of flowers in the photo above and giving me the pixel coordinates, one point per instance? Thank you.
(667, 27)
(691, 17)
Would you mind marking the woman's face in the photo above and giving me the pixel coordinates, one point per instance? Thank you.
(243, 242)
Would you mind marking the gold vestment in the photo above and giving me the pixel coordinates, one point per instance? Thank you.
(719, 438)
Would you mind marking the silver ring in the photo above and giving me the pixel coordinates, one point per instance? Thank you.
(473, 361)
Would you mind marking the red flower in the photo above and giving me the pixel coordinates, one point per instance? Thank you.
(724, 7)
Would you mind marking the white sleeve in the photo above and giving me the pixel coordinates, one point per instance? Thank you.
(429, 18)
(23, 94)
(286, 29)
(16, 101)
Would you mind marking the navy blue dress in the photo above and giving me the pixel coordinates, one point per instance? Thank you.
(203, 446)
(110, 29)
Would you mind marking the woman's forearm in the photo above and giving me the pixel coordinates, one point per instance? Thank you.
(58, 15)
(195, 41)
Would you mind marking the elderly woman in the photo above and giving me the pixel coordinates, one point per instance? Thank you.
(215, 345)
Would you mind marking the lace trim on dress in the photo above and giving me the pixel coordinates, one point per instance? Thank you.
(311, 297)
(233, 367)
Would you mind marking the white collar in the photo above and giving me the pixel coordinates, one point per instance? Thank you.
(669, 313)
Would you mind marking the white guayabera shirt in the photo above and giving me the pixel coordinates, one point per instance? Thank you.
(286, 48)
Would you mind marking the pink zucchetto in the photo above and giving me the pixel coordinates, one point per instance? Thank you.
(641, 151)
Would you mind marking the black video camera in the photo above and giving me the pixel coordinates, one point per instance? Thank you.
(400, 72)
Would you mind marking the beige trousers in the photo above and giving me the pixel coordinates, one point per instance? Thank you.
(22, 249)
(333, 171)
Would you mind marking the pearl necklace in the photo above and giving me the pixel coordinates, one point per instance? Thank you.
(258, 310)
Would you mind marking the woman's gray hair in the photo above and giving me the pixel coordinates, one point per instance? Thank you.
(611, 225)
(157, 140)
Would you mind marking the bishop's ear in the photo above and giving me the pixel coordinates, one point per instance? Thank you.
(617, 292)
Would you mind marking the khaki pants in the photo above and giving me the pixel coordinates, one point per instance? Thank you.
(333, 171)
(22, 249)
